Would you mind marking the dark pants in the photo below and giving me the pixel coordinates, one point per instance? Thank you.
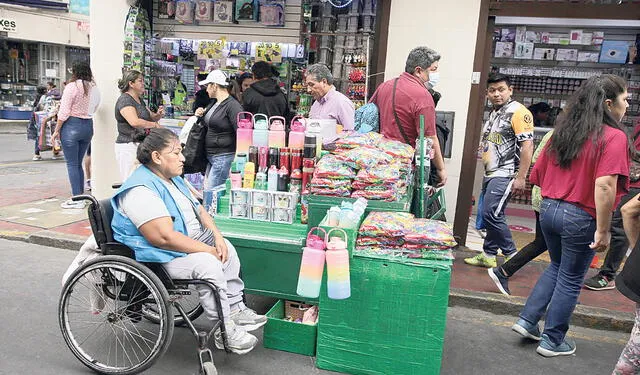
(568, 231)
(75, 137)
(619, 243)
(496, 192)
(527, 253)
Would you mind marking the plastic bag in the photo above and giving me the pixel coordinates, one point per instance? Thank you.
(364, 157)
(357, 140)
(330, 167)
(396, 148)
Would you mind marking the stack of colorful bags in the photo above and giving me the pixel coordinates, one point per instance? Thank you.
(332, 177)
(401, 234)
(383, 168)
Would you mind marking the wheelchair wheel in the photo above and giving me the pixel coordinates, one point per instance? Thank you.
(100, 316)
(209, 368)
(190, 303)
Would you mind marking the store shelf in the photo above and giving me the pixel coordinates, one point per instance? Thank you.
(557, 64)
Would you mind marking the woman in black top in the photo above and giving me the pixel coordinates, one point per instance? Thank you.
(132, 116)
(221, 121)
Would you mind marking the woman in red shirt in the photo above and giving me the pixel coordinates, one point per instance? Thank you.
(583, 171)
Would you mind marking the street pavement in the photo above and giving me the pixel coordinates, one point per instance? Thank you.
(476, 342)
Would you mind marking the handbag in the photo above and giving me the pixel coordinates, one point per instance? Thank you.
(194, 151)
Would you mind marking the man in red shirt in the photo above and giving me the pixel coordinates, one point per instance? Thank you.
(604, 279)
(402, 100)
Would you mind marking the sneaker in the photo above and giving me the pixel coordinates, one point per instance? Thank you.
(72, 205)
(56, 157)
(526, 329)
(599, 282)
(482, 260)
(248, 319)
(501, 281)
(238, 340)
(36, 158)
(508, 257)
(549, 349)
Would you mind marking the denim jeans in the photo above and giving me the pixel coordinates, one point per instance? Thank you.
(568, 231)
(479, 221)
(218, 169)
(75, 136)
(496, 192)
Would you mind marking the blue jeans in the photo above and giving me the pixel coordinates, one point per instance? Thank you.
(496, 192)
(568, 231)
(218, 169)
(75, 137)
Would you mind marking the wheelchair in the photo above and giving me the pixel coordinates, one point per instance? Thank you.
(117, 315)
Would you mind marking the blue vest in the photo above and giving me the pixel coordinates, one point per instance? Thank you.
(125, 232)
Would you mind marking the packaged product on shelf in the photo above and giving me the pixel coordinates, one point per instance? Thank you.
(366, 139)
(204, 10)
(363, 157)
(395, 148)
(331, 167)
(184, 11)
(380, 223)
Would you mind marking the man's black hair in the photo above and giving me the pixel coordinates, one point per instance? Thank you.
(499, 77)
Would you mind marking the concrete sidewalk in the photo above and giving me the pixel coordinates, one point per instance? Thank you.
(34, 215)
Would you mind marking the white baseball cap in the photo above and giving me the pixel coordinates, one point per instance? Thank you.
(216, 76)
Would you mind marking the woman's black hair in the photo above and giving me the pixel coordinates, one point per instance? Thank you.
(82, 70)
(155, 140)
(128, 76)
(585, 117)
(242, 77)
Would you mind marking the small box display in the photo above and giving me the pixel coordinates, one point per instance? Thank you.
(239, 196)
(284, 200)
(260, 213)
(282, 215)
(239, 210)
(260, 198)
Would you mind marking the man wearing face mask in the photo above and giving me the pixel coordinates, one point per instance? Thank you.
(402, 100)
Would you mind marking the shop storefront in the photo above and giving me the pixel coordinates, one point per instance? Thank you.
(31, 56)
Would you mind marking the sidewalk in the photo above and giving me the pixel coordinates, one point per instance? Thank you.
(34, 215)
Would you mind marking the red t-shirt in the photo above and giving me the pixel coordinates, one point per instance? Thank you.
(576, 184)
(412, 100)
(636, 143)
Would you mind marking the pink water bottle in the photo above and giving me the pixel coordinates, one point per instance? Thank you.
(260, 130)
(245, 132)
(338, 278)
(296, 135)
(312, 266)
(277, 135)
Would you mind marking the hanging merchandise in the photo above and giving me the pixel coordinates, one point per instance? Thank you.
(186, 51)
(223, 11)
(338, 277)
(184, 11)
(166, 9)
(312, 266)
(272, 12)
(246, 10)
(211, 49)
(269, 52)
(204, 10)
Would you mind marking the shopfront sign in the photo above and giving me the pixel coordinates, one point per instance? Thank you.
(8, 25)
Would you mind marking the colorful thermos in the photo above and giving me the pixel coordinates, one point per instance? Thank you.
(296, 135)
(312, 266)
(277, 135)
(338, 278)
(245, 131)
(260, 130)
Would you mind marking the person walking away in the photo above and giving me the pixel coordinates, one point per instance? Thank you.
(604, 279)
(158, 218)
(132, 116)
(501, 274)
(589, 153)
(74, 127)
(402, 100)
(329, 103)
(221, 120)
(264, 95)
(507, 145)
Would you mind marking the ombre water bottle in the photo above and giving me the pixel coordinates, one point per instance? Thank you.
(312, 266)
(338, 277)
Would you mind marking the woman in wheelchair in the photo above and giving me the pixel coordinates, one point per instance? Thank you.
(157, 217)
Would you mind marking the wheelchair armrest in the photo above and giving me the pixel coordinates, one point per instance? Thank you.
(116, 248)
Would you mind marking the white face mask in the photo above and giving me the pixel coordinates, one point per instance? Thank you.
(434, 78)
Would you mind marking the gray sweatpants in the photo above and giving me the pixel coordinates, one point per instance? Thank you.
(206, 266)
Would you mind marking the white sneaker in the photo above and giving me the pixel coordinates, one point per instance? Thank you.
(72, 205)
(36, 158)
(238, 340)
(248, 319)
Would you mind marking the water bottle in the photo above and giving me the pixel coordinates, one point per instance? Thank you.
(260, 130)
(235, 176)
(272, 178)
(359, 206)
(338, 277)
(277, 135)
(296, 135)
(312, 265)
(245, 131)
